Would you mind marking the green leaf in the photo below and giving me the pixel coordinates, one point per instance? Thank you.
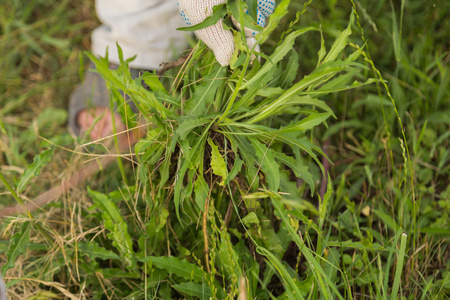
(237, 10)
(186, 126)
(219, 11)
(322, 280)
(205, 93)
(34, 169)
(323, 50)
(17, 246)
(111, 273)
(399, 267)
(313, 78)
(201, 291)
(307, 123)
(299, 170)
(237, 167)
(251, 218)
(289, 283)
(308, 100)
(324, 90)
(246, 151)
(230, 260)
(303, 144)
(278, 55)
(217, 162)
(269, 92)
(333, 264)
(290, 73)
(177, 266)
(113, 221)
(183, 163)
(201, 190)
(340, 42)
(268, 164)
(435, 230)
(155, 224)
(280, 11)
(252, 8)
(102, 68)
(152, 80)
(396, 38)
(388, 220)
(93, 251)
(357, 245)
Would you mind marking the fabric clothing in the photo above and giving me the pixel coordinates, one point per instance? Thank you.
(218, 39)
(146, 28)
(142, 28)
(2, 289)
(92, 92)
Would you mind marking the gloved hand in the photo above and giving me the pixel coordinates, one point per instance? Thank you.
(264, 9)
(220, 41)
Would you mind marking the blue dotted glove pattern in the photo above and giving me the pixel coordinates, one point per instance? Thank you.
(183, 15)
(265, 9)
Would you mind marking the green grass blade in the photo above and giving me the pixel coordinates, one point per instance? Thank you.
(17, 246)
(291, 286)
(399, 267)
(321, 277)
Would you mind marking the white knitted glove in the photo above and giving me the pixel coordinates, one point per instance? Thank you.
(220, 41)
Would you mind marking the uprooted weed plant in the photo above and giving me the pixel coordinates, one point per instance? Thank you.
(222, 198)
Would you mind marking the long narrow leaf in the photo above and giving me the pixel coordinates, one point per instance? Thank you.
(34, 169)
(114, 222)
(17, 246)
(399, 267)
(178, 266)
(278, 55)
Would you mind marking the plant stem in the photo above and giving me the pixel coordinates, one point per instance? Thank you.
(11, 189)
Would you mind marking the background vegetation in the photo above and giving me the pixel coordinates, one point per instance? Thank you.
(381, 233)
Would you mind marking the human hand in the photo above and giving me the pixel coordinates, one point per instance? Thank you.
(219, 40)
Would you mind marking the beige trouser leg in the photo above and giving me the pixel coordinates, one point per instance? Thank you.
(146, 28)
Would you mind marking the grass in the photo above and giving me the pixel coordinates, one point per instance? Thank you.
(381, 231)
